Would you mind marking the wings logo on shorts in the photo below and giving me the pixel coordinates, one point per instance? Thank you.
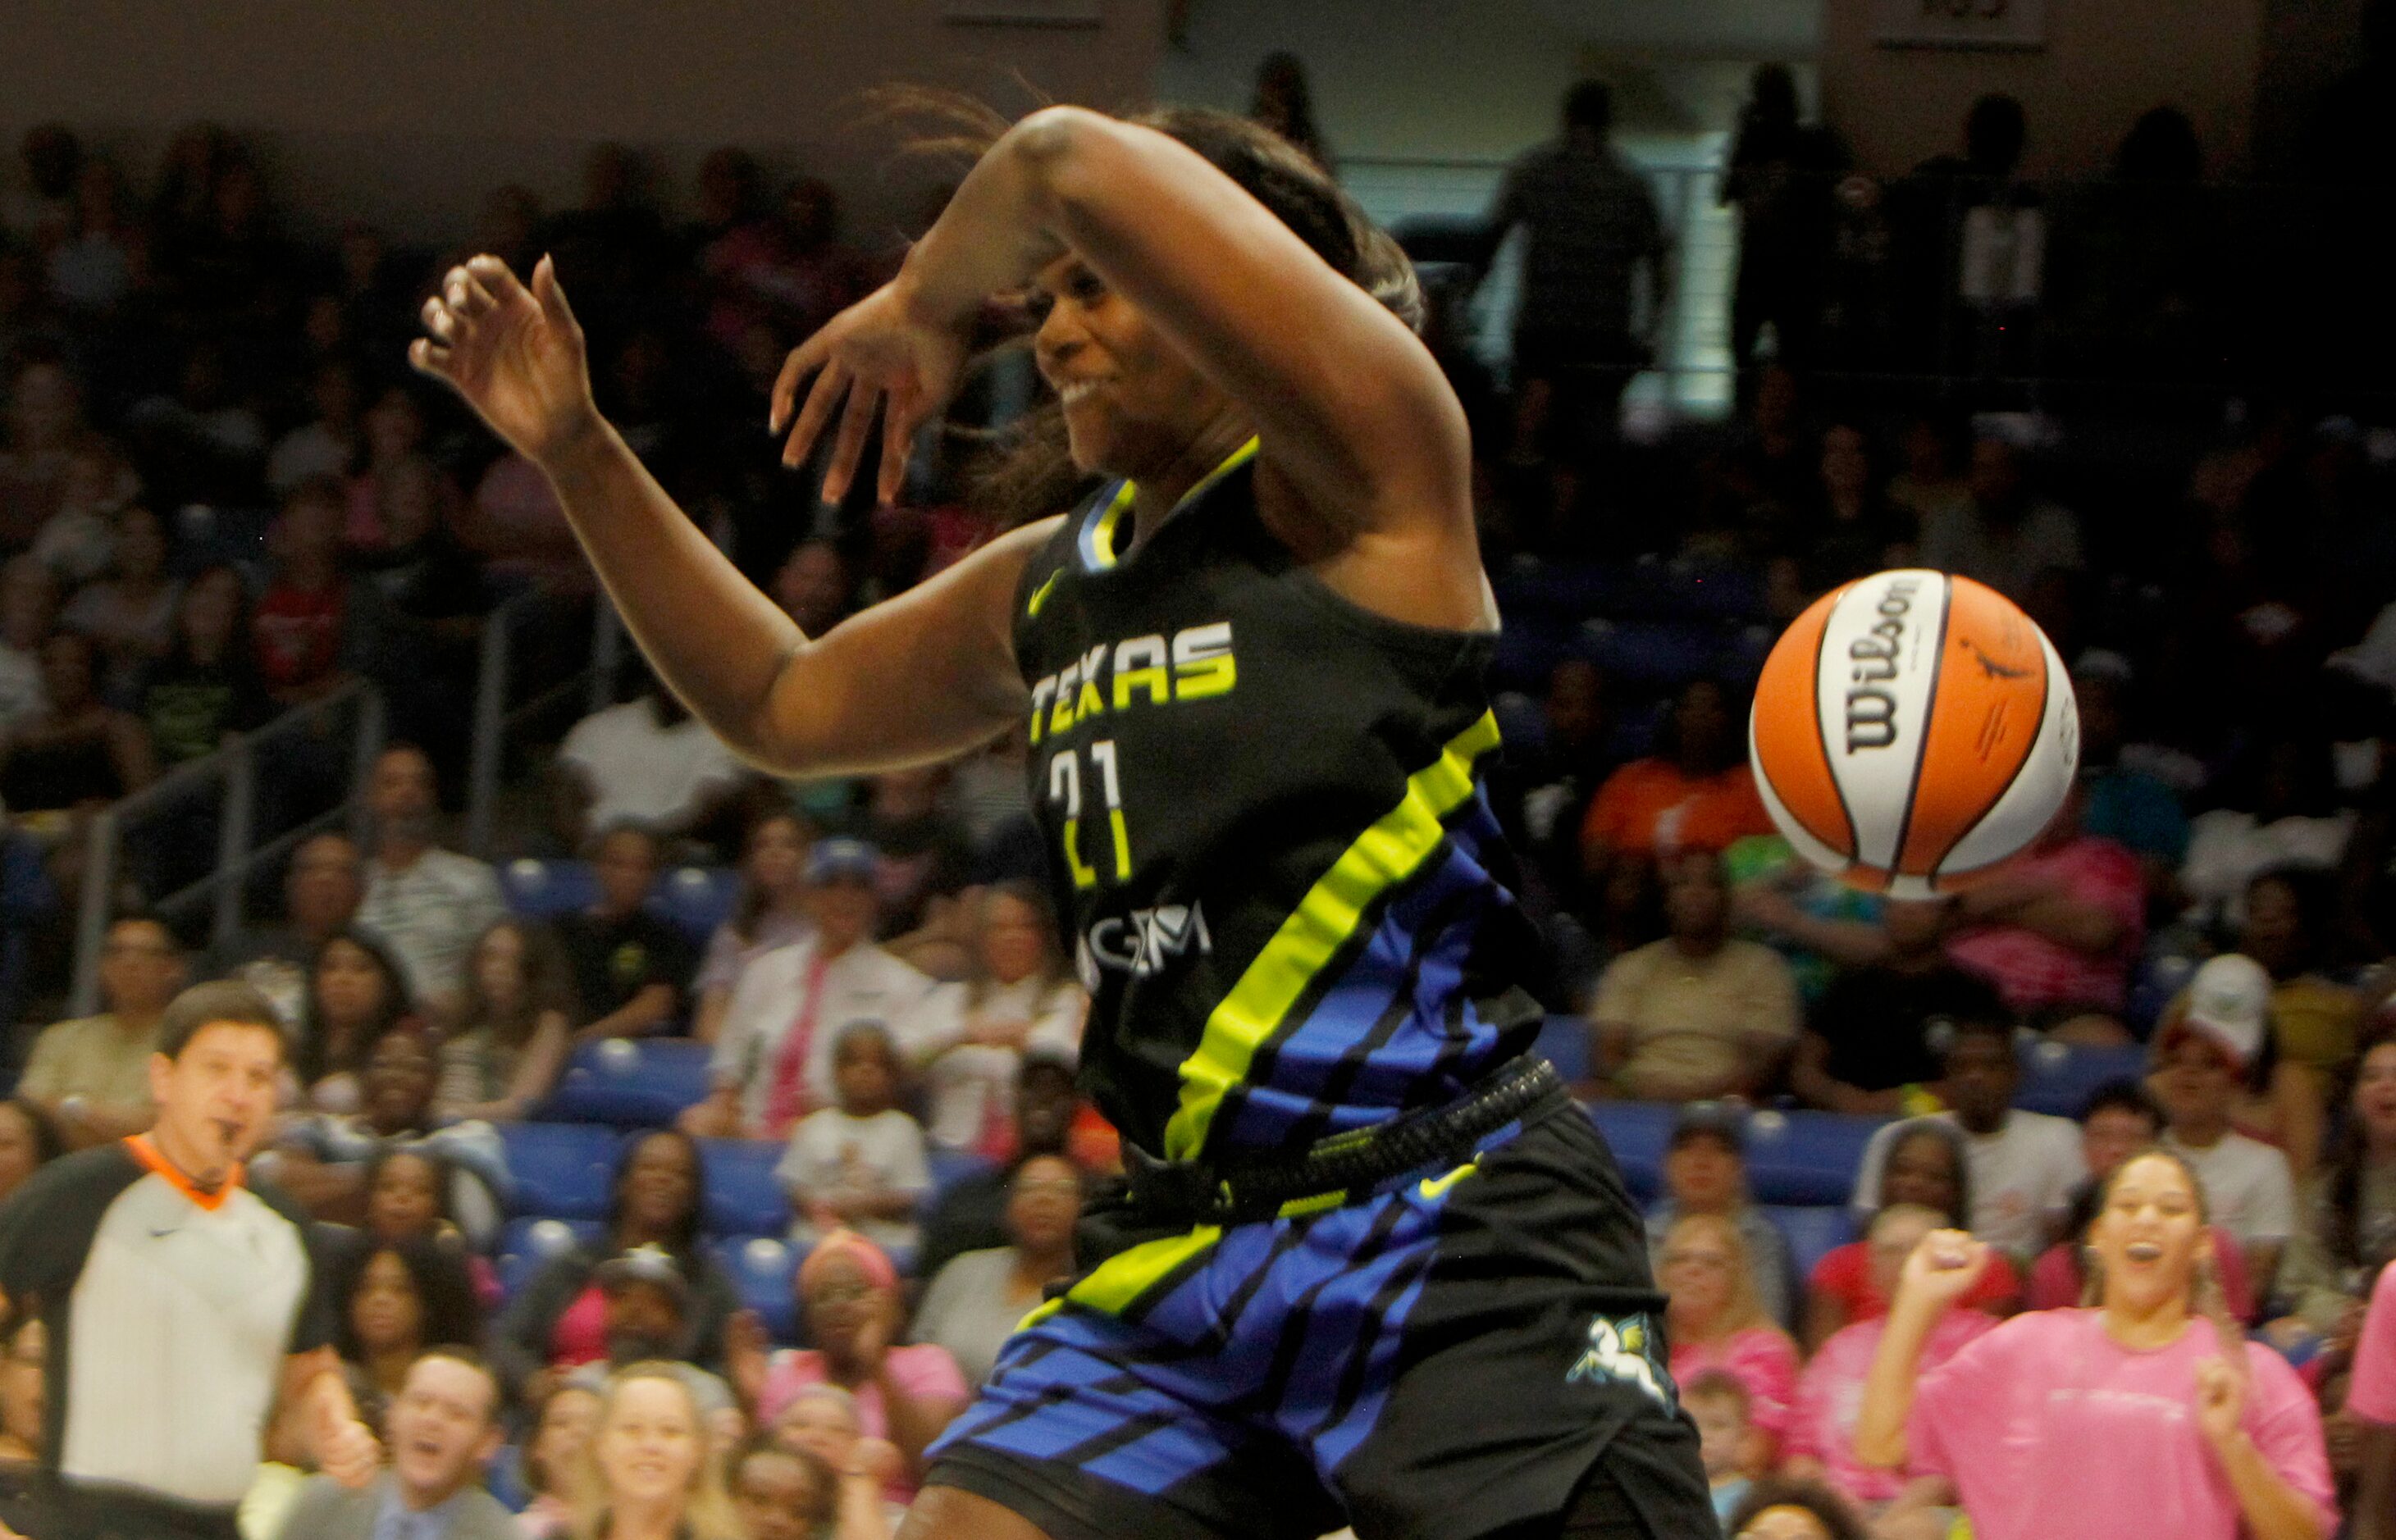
(1624, 1350)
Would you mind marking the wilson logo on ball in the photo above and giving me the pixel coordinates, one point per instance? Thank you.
(1911, 729)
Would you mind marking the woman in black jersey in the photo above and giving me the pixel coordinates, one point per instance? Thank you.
(1372, 1267)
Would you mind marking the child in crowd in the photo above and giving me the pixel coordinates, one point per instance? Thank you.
(1820, 1444)
(861, 1163)
(1717, 1402)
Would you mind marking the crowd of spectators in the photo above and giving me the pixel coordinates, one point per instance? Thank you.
(221, 497)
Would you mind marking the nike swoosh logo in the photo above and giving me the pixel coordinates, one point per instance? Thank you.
(1436, 1186)
(1040, 594)
(161, 1235)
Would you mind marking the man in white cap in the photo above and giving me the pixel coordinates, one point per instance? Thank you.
(2218, 1046)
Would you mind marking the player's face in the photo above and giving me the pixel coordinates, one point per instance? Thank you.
(440, 1427)
(215, 1101)
(650, 1443)
(2149, 1234)
(777, 1497)
(1132, 404)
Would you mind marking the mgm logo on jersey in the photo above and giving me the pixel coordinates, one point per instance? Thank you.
(1142, 942)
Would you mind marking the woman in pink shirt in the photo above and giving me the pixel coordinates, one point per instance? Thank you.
(1820, 1444)
(849, 1290)
(2133, 1418)
(1714, 1320)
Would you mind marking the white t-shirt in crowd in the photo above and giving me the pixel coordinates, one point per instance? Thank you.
(862, 984)
(2022, 1178)
(2248, 1190)
(645, 773)
(431, 915)
(833, 1152)
(969, 1084)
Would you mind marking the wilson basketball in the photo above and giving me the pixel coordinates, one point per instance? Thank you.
(1911, 729)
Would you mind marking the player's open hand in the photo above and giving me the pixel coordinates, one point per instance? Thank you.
(516, 353)
(878, 354)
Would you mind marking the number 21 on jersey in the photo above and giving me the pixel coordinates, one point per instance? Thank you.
(1065, 792)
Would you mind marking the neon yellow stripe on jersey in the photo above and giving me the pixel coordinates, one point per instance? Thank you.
(1382, 856)
(1103, 534)
(1117, 1283)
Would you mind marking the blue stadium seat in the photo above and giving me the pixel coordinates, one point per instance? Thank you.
(529, 1242)
(696, 900)
(630, 1084)
(948, 1168)
(2159, 980)
(742, 1196)
(2058, 1077)
(761, 1268)
(1805, 1158)
(1563, 1040)
(560, 1170)
(538, 890)
(1637, 1132)
(1813, 1232)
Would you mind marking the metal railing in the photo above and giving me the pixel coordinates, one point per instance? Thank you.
(233, 771)
(496, 719)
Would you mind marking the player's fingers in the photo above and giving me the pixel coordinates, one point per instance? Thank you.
(804, 360)
(443, 322)
(831, 385)
(552, 295)
(498, 279)
(465, 294)
(902, 413)
(429, 357)
(849, 447)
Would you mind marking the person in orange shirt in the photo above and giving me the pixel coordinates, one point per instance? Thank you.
(1695, 793)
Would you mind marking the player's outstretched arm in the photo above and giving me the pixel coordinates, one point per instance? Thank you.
(922, 677)
(1352, 404)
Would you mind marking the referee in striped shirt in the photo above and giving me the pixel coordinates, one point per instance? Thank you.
(181, 1305)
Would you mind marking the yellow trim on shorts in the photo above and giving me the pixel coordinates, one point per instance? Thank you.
(1117, 1283)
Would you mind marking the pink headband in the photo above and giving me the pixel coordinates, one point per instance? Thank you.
(872, 1260)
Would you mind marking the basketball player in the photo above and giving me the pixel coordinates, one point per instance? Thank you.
(1372, 1267)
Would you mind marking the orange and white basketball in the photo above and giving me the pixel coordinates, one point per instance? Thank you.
(1911, 729)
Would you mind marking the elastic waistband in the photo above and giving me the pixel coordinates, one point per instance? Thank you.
(1194, 1192)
